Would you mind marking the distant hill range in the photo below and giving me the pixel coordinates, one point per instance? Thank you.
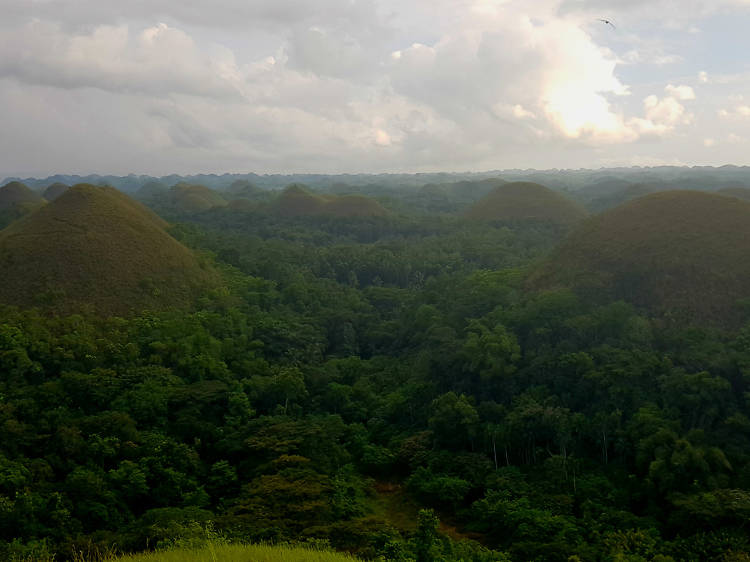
(526, 201)
(679, 254)
(696, 177)
(94, 248)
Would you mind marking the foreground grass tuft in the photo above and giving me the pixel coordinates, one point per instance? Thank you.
(239, 553)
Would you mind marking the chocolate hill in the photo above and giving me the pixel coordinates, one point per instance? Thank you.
(194, 198)
(17, 200)
(526, 201)
(681, 254)
(296, 201)
(95, 248)
(55, 190)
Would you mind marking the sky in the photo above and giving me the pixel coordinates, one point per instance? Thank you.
(355, 86)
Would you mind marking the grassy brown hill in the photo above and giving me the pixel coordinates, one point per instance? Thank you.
(16, 194)
(94, 247)
(738, 192)
(194, 198)
(526, 201)
(296, 201)
(17, 200)
(55, 190)
(684, 254)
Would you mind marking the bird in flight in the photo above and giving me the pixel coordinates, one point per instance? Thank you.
(607, 22)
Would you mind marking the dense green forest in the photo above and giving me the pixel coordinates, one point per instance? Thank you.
(392, 386)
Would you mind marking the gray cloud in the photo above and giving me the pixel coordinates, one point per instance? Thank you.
(342, 85)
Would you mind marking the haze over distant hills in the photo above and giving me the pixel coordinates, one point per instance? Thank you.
(684, 177)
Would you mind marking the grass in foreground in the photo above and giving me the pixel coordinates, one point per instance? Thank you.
(240, 553)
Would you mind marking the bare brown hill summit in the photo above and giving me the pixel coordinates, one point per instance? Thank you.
(526, 201)
(680, 254)
(95, 248)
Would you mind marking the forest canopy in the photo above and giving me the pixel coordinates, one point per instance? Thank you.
(393, 385)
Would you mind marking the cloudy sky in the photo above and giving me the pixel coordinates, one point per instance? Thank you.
(188, 86)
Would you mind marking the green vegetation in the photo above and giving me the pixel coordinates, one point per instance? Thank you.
(191, 198)
(401, 387)
(96, 247)
(17, 200)
(55, 190)
(526, 201)
(240, 553)
(297, 201)
(682, 254)
(738, 192)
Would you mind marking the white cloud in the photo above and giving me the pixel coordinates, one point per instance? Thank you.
(740, 111)
(157, 60)
(382, 138)
(680, 92)
(708, 143)
(522, 113)
(275, 85)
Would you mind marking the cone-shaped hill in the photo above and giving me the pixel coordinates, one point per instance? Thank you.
(17, 200)
(526, 201)
(94, 247)
(296, 201)
(151, 190)
(17, 194)
(55, 190)
(194, 198)
(684, 254)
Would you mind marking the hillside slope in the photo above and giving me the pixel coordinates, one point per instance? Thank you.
(297, 201)
(684, 254)
(526, 201)
(17, 200)
(94, 247)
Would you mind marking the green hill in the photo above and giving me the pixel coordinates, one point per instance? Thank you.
(244, 189)
(94, 247)
(17, 200)
(151, 190)
(16, 194)
(194, 198)
(55, 190)
(684, 254)
(526, 201)
(297, 201)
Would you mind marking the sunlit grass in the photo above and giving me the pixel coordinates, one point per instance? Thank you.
(239, 553)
